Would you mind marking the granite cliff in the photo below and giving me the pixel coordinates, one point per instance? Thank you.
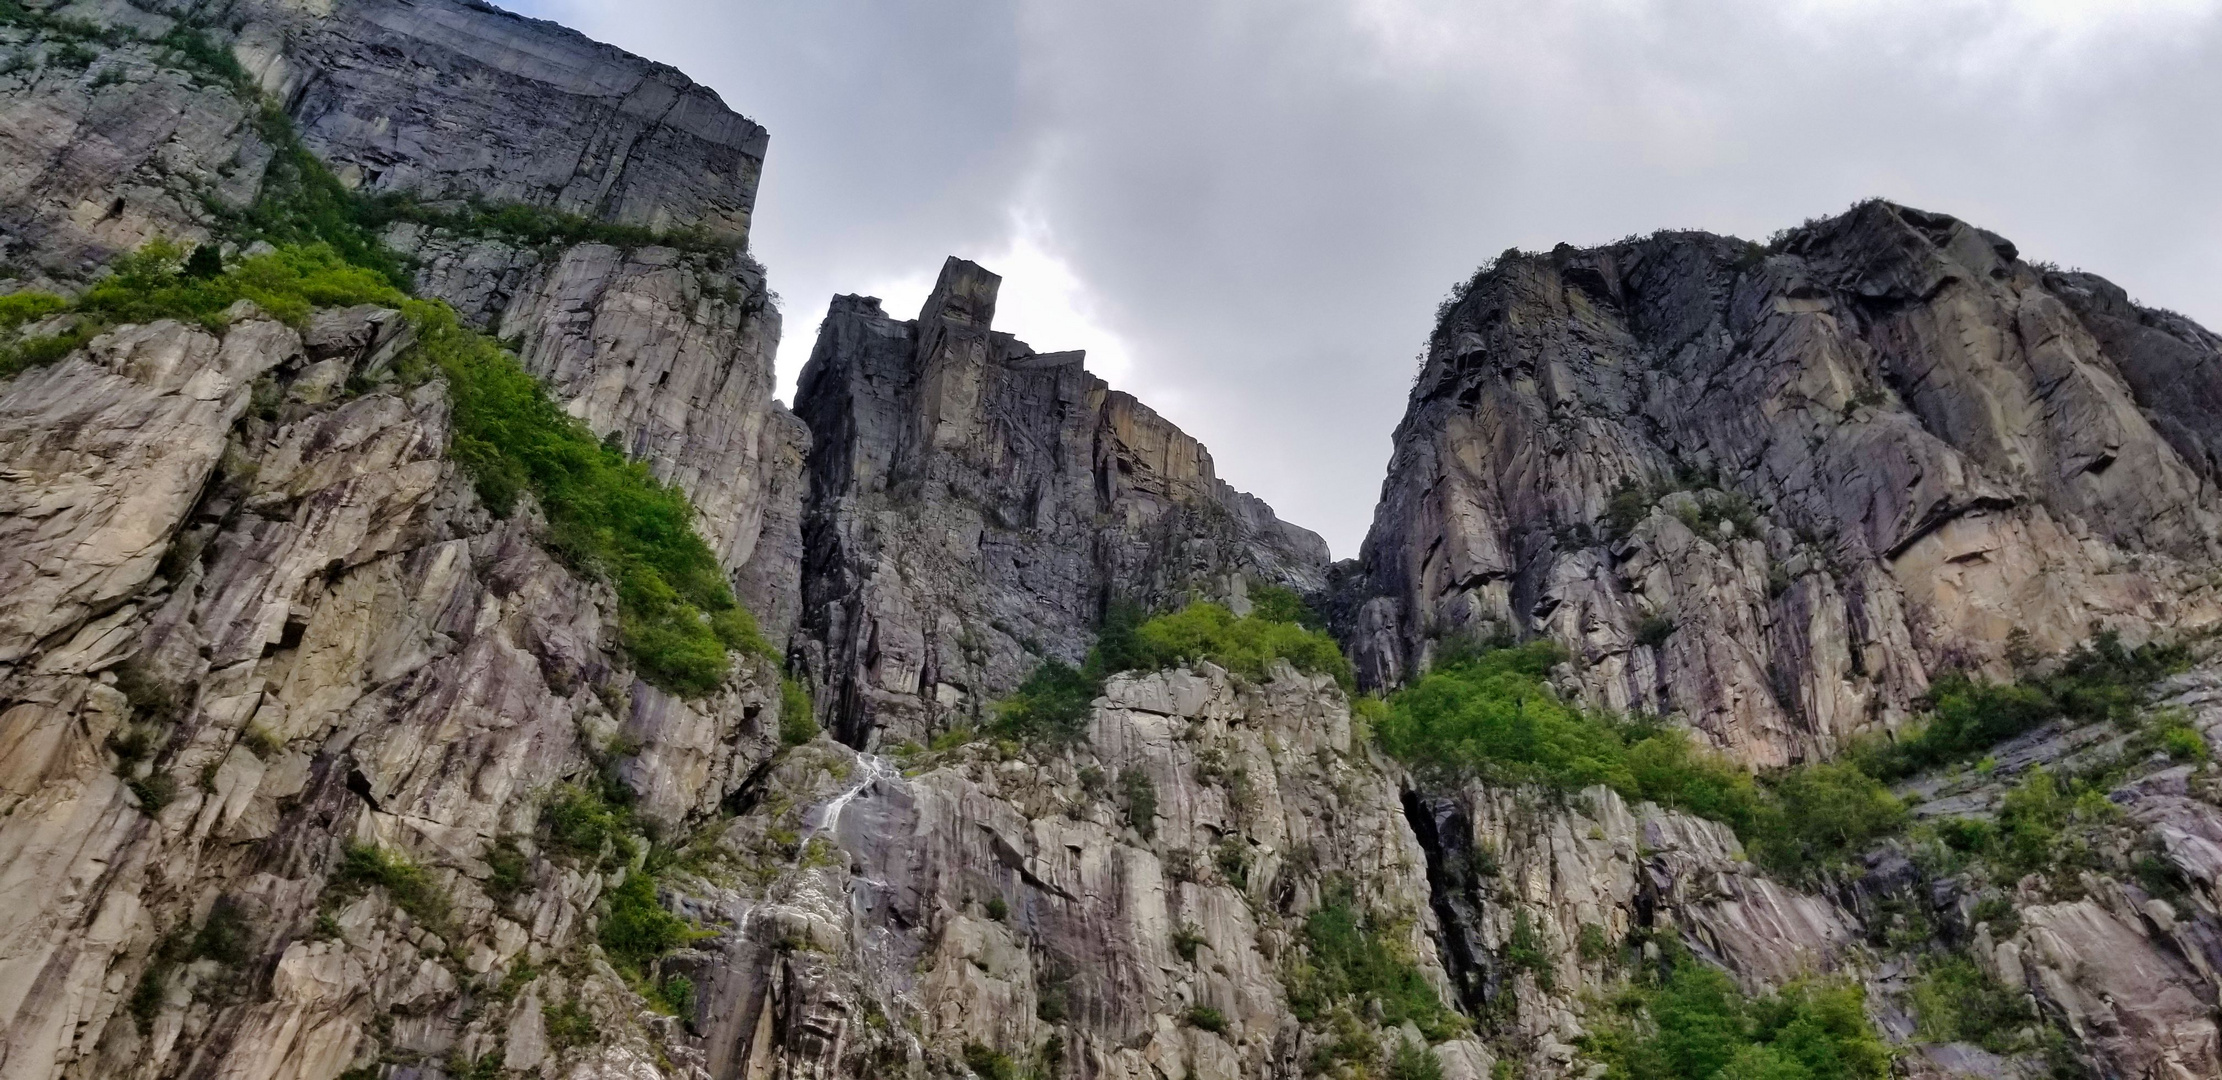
(323, 754)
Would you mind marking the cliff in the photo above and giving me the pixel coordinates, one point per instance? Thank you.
(1772, 490)
(977, 507)
(330, 749)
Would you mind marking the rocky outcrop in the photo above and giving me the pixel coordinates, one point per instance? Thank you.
(976, 507)
(1769, 490)
(632, 291)
(269, 625)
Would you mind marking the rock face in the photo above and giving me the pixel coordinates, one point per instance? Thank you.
(1771, 489)
(664, 340)
(308, 762)
(976, 507)
(261, 636)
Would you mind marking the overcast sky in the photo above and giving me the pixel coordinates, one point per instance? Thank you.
(1247, 211)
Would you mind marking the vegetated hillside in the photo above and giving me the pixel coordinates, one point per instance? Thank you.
(426, 650)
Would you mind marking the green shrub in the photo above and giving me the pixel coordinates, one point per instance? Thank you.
(1275, 603)
(1141, 801)
(1206, 1018)
(1821, 815)
(1692, 1023)
(1186, 940)
(2182, 742)
(638, 929)
(410, 887)
(1243, 645)
(1593, 944)
(155, 792)
(1653, 630)
(1357, 957)
(2101, 680)
(1414, 1062)
(991, 1064)
(997, 908)
(1956, 1001)
(569, 1024)
(583, 825)
(1052, 706)
(797, 725)
(1491, 715)
(1525, 950)
(17, 309)
(510, 873)
(225, 937)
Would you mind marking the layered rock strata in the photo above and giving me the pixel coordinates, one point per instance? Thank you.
(259, 619)
(627, 285)
(976, 507)
(1769, 490)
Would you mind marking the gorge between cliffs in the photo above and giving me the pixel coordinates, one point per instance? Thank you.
(428, 651)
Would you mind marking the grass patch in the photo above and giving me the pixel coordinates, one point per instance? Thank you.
(1691, 1022)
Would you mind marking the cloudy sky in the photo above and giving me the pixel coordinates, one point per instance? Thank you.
(1246, 210)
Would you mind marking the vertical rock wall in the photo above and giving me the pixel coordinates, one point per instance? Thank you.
(976, 507)
(1769, 490)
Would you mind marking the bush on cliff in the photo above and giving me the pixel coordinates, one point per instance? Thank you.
(1689, 1021)
(607, 516)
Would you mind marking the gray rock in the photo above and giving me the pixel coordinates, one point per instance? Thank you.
(1902, 443)
(975, 506)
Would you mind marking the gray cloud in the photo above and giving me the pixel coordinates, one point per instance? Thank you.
(1258, 205)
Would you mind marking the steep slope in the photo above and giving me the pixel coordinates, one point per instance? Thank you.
(977, 507)
(1772, 490)
(284, 710)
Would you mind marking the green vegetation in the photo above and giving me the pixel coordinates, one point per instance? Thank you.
(1276, 603)
(1358, 959)
(1052, 706)
(510, 873)
(606, 516)
(1141, 801)
(1690, 1022)
(1187, 938)
(638, 930)
(1206, 1018)
(1487, 712)
(2045, 824)
(797, 724)
(587, 826)
(1411, 1061)
(2101, 680)
(1526, 951)
(1955, 1001)
(1244, 645)
(1490, 714)
(569, 1024)
(410, 887)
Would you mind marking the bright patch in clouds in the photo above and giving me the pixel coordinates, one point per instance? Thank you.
(1043, 303)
